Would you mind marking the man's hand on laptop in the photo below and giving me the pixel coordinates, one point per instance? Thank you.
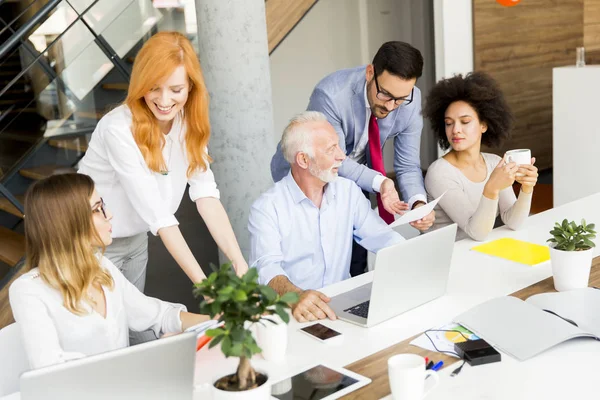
(312, 306)
(390, 199)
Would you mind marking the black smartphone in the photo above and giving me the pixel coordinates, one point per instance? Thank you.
(321, 332)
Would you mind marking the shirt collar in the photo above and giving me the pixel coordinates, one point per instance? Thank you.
(297, 193)
(365, 93)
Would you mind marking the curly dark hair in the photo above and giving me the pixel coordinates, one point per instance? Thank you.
(481, 92)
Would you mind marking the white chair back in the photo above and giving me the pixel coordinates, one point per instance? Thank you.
(13, 359)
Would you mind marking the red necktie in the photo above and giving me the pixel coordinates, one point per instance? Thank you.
(376, 154)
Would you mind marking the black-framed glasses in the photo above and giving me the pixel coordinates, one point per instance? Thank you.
(406, 100)
(101, 208)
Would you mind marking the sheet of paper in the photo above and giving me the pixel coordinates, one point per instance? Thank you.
(202, 327)
(417, 213)
(444, 341)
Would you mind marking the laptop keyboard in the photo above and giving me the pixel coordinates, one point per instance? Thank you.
(362, 309)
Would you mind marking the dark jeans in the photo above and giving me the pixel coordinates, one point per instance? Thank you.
(358, 261)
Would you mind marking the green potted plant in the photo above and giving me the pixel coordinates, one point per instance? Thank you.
(239, 302)
(571, 253)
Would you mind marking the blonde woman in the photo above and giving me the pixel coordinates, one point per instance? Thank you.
(73, 302)
(144, 153)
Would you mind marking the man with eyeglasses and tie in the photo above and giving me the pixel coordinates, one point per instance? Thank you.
(367, 106)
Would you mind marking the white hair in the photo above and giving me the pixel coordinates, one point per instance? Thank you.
(297, 137)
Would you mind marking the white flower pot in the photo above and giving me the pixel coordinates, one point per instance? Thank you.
(571, 269)
(263, 392)
(272, 338)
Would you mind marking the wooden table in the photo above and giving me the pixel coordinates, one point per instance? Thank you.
(375, 366)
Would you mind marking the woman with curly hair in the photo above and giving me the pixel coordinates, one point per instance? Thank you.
(466, 112)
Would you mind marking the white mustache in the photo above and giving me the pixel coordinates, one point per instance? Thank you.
(337, 165)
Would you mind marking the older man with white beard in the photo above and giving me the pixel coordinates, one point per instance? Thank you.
(302, 229)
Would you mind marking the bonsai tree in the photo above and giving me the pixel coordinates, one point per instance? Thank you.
(238, 300)
(569, 236)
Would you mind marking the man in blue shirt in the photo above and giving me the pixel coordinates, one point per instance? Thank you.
(368, 106)
(303, 228)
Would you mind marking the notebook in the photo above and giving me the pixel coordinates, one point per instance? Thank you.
(524, 329)
(515, 250)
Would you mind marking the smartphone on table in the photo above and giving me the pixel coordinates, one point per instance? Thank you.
(321, 332)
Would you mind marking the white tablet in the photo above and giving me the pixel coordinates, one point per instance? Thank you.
(318, 382)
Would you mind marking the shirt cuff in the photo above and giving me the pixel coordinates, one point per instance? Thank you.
(197, 192)
(377, 181)
(415, 198)
(163, 223)
(173, 323)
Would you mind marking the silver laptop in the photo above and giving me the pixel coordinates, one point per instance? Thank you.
(406, 275)
(161, 369)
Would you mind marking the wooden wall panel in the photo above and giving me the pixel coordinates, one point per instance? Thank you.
(591, 25)
(519, 46)
(282, 17)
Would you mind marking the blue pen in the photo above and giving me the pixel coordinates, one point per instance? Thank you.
(437, 366)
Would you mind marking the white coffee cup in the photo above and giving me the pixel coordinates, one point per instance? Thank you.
(407, 375)
(272, 338)
(519, 157)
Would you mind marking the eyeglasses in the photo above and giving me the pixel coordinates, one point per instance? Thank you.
(101, 208)
(406, 100)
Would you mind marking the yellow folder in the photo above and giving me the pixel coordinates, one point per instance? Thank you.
(515, 250)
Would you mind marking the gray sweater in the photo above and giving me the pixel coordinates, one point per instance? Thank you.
(465, 204)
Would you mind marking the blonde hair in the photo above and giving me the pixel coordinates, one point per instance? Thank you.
(154, 63)
(59, 231)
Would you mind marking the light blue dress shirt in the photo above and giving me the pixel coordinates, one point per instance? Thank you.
(312, 246)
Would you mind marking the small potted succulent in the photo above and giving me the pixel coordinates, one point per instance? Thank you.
(571, 253)
(239, 302)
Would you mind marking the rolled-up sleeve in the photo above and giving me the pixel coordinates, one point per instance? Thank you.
(265, 242)
(203, 184)
(141, 188)
(145, 312)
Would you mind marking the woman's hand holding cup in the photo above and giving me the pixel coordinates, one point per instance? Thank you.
(527, 174)
(502, 177)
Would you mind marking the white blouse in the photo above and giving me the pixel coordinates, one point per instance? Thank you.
(52, 334)
(140, 199)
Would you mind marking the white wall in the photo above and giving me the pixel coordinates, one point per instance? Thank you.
(575, 128)
(453, 22)
(337, 34)
(327, 39)
(408, 21)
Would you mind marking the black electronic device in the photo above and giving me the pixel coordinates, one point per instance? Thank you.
(477, 352)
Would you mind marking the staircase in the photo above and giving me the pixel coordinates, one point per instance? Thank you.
(48, 112)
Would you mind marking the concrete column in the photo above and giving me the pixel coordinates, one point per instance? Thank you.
(232, 36)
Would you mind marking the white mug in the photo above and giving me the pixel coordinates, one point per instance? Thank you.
(407, 375)
(519, 157)
(272, 338)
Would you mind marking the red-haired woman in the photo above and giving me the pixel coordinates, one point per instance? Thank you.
(144, 153)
